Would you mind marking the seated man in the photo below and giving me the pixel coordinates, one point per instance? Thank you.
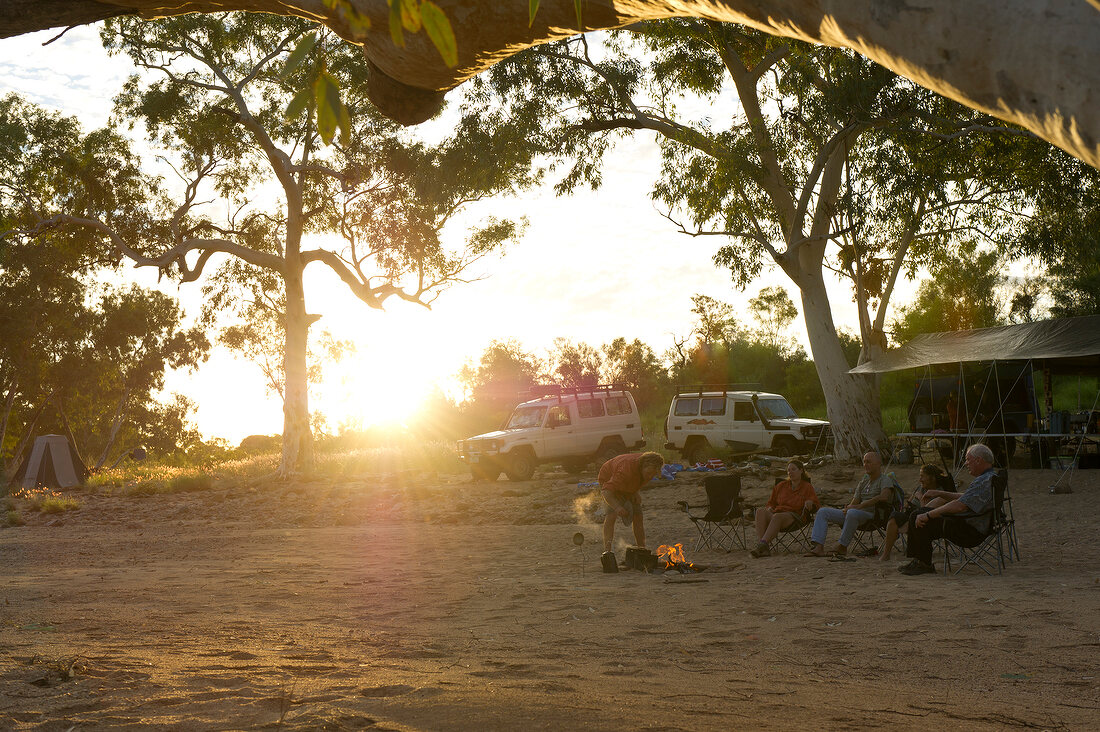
(874, 489)
(620, 479)
(974, 506)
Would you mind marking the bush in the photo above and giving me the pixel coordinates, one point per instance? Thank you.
(51, 503)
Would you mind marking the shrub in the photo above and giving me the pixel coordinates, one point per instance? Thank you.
(53, 503)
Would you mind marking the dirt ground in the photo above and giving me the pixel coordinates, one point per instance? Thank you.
(431, 602)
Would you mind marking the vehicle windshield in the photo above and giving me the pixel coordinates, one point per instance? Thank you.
(525, 417)
(775, 409)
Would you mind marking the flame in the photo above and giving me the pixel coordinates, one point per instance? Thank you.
(673, 555)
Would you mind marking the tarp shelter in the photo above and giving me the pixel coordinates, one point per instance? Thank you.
(1071, 345)
(52, 462)
(1065, 346)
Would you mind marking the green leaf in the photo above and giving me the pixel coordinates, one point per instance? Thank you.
(532, 8)
(410, 15)
(395, 23)
(299, 54)
(327, 93)
(440, 32)
(331, 111)
(300, 102)
(577, 8)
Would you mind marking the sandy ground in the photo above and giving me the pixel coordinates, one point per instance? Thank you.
(430, 602)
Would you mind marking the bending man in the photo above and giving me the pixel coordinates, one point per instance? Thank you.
(621, 478)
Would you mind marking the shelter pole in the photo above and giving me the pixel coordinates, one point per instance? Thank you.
(1001, 410)
(1048, 395)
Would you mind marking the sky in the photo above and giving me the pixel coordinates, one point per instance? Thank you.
(591, 267)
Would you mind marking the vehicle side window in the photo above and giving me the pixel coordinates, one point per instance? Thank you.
(686, 407)
(742, 412)
(618, 405)
(559, 417)
(713, 406)
(590, 408)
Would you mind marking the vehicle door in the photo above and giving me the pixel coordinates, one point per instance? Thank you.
(559, 432)
(745, 432)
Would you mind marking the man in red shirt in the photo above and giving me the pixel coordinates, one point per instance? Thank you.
(620, 479)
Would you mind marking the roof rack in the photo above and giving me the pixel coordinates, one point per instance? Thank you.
(540, 390)
(724, 388)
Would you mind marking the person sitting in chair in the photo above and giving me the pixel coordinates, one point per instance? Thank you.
(873, 490)
(933, 481)
(621, 478)
(791, 504)
(974, 507)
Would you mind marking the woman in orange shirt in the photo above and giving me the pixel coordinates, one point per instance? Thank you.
(792, 502)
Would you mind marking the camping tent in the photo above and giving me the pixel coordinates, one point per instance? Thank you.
(52, 462)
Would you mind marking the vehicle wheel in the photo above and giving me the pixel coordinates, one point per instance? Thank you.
(483, 471)
(784, 446)
(698, 452)
(520, 465)
(608, 451)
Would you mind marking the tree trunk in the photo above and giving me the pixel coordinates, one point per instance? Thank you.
(851, 401)
(116, 423)
(9, 402)
(297, 435)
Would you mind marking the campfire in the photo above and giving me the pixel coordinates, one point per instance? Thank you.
(672, 558)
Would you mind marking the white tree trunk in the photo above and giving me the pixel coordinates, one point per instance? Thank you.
(851, 401)
(297, 435)
(116, 423)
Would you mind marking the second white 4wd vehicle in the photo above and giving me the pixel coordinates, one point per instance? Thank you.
(706, 421)
(571, 426)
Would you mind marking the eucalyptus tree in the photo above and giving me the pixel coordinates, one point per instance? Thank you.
(803, 157)
(246, 181)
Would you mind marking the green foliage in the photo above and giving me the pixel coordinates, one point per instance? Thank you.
(635, 365)
(962, 294)
(575, 364)
(774, 311)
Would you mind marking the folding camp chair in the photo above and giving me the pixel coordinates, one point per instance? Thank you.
(796, 537)
(997, 547)
(721, 526)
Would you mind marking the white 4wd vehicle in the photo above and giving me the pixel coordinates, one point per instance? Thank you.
(574, 426)
(705, 422)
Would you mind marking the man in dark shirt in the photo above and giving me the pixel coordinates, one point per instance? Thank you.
(974, 507)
